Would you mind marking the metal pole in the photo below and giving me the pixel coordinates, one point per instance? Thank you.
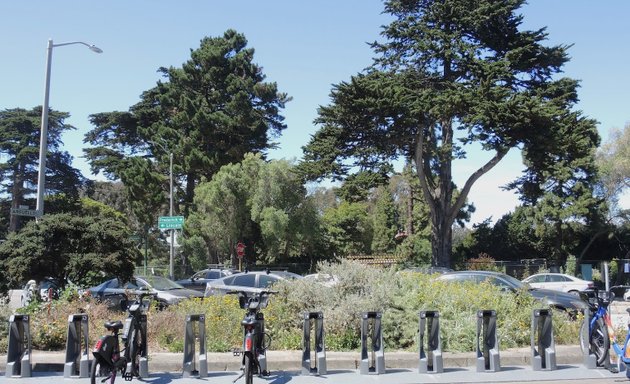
(171, 275)
(43, 141)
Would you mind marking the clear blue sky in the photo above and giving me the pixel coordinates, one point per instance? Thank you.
(304, 46)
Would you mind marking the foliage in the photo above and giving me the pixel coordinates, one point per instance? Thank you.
(467, 76)
(262, 204)
(19, 158)
(613, 162)
(348, 229)
(70, 248)
(483, 262)
(207, 113)
(358, 288)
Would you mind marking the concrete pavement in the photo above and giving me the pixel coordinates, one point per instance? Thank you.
(401, 367)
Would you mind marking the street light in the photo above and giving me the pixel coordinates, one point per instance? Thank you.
(43, 141)
(172, 248)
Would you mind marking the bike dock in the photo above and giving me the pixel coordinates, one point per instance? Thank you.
(19, 348)
(431, 351)
(488, 358)
(542, 341)
(77, 363)
(315, 321)
(194, 332)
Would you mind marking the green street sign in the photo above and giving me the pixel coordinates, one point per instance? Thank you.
(170, 222)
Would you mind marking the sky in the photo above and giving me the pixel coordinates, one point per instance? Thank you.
(303, 46)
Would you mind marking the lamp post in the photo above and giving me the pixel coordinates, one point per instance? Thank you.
(170, 210)
(43, 141)
(172, 251)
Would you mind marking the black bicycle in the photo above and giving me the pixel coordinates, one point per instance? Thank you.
(255, 340)
(107, 354)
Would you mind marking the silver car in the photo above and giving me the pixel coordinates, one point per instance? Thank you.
(256, 279)
(114, 292)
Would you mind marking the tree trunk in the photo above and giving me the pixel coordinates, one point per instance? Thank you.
(441, 241)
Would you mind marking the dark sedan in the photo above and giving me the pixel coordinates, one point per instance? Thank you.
(555, 299)
(168, 292)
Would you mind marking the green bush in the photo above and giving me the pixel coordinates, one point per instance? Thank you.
(358, 288)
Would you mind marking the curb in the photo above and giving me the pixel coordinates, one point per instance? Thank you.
(45, 361)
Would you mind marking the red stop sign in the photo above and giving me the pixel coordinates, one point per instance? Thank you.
(240, 250)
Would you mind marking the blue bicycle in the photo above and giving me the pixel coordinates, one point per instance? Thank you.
(601, 332)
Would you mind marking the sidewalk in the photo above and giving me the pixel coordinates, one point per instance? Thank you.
(343, 367)
(43, 361)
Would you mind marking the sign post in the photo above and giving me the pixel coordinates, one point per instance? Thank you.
(240, 252)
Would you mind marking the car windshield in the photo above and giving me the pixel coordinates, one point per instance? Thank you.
(516, 282)
(161, 283)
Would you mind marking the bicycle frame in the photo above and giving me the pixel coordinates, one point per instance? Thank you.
(107, 351)
(254, 345)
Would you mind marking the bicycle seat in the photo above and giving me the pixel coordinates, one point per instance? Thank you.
(109, 325)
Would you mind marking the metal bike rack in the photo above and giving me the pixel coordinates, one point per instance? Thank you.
(431, 356)
(320, 359)
(262, 357)
(543, 345)
(488, 359)
(77, 357)
(590, 360)
(195, 323)
(19, 351)
(376, 364)
(143, 368)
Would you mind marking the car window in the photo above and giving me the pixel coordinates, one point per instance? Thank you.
(133, 284)
(213, 275)
(500, 283)
(199, 275)
(246, 280)
(554, 279)
(266, 280)
(536, 279)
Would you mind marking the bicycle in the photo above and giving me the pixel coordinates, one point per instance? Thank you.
(107, 354)
(255, 340)
(601, 332)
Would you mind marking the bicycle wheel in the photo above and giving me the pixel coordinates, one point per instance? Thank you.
(248, 369)
(599, 341)
(100, 372)
(135, 351)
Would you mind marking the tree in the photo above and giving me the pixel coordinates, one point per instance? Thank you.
(613, 162)
(262, 204)
(384, 222)
(208, 113)
(19, 157)
(450, 74)
(348, 229)
(70, 247)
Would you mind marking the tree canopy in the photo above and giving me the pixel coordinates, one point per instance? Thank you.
(77, 247)
(451, 74)
(19, 157)
(208, 113)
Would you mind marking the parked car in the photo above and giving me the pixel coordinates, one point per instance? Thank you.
(555, 299)
(254, 279)
(199, 280)
(114, 292)
(559, 282)
(48, 287)
(325, 279)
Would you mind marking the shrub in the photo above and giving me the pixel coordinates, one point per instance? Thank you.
(358, 288)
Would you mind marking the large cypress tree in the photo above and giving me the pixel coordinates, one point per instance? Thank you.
(452, 73)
